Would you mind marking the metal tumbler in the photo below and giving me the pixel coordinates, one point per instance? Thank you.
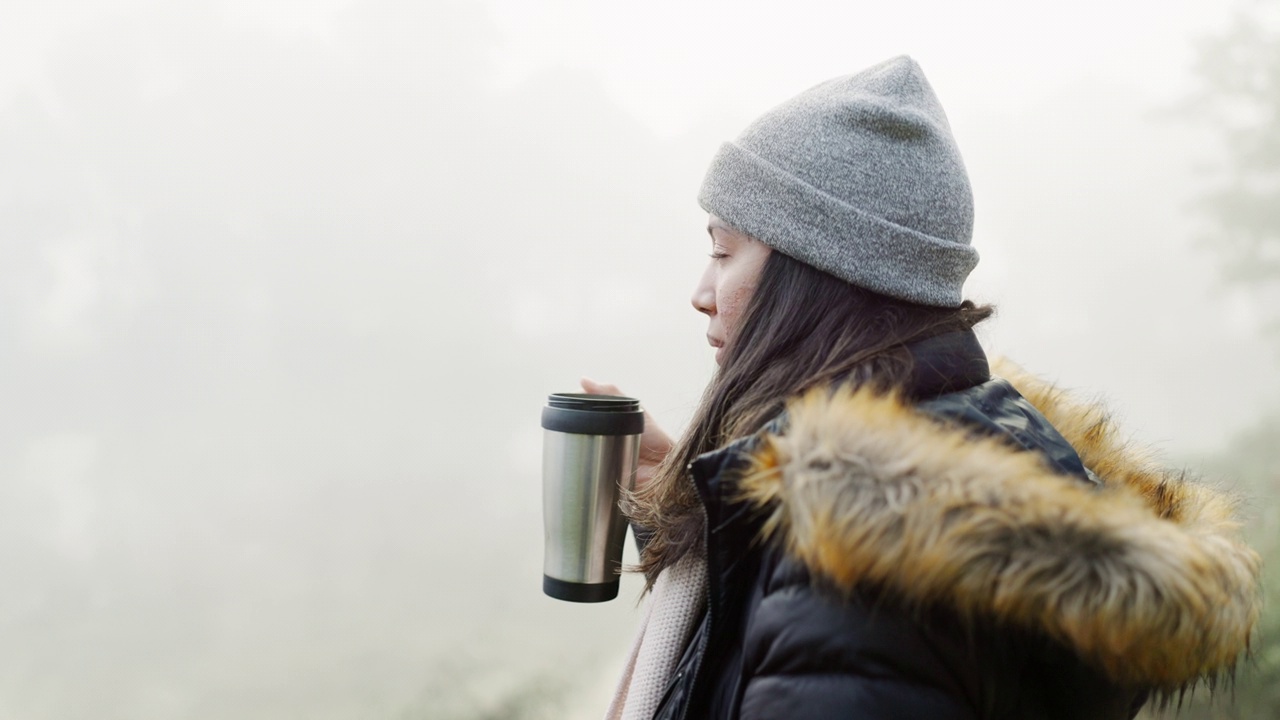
(590, 448)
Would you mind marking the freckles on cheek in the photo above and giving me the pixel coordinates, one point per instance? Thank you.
(736, 299)
(731, 308)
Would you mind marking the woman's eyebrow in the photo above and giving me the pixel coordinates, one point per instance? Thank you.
(728, 233)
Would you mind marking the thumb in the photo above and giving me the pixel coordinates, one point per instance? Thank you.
(598, 388)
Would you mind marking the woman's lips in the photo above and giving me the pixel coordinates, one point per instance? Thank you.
(719, 346)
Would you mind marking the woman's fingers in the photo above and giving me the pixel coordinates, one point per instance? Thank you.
(654, 443)
(597, 388)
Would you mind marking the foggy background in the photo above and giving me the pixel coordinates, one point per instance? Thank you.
(284, 284)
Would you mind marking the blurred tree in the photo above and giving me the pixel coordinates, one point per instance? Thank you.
(1237, 75)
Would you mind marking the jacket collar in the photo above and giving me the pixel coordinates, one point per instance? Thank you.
(946, 363)
(1145, 577)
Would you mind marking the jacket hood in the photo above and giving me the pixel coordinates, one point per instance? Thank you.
(1146, 577)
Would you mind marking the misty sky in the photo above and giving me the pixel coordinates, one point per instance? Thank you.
(284, 285)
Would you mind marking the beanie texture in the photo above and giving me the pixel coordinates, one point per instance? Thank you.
(860, 177)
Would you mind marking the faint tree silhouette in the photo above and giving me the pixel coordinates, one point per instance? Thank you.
(1237, 92)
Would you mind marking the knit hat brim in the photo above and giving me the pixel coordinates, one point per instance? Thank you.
(793, 217)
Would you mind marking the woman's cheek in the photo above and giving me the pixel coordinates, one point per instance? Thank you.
(731, 311)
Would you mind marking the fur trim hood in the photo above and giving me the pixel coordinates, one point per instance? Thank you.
(1146, 578)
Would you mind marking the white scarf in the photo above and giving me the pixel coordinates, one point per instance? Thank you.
(675, 604)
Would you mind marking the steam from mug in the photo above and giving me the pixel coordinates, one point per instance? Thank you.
(591, 444)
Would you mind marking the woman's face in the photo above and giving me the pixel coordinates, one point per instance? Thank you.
(728, 282)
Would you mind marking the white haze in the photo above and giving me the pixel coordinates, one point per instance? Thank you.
(284, 285)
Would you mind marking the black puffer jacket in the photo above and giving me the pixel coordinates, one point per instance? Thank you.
(950, 554)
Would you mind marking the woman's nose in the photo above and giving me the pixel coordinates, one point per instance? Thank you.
(704, 294)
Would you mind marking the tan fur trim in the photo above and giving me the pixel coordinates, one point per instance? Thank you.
(1147, 578)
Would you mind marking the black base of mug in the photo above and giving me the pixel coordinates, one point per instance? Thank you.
(580, 592)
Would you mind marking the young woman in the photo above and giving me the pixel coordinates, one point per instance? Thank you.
(863, 521)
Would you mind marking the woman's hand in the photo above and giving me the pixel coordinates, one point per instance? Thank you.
(654, 443)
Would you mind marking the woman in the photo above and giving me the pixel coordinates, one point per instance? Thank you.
(863, 521)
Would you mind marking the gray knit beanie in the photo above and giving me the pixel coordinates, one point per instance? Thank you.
(859, 177)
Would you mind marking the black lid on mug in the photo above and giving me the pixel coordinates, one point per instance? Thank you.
(586, 414)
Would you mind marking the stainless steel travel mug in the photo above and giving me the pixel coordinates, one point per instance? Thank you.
(590, 448)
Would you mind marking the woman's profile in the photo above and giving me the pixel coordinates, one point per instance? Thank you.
(867, 518)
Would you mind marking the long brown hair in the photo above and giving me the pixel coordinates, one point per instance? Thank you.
(802, 328)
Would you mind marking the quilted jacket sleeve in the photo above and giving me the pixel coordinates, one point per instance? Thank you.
(810, 654)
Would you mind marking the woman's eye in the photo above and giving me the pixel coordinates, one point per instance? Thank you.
(719, 255)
